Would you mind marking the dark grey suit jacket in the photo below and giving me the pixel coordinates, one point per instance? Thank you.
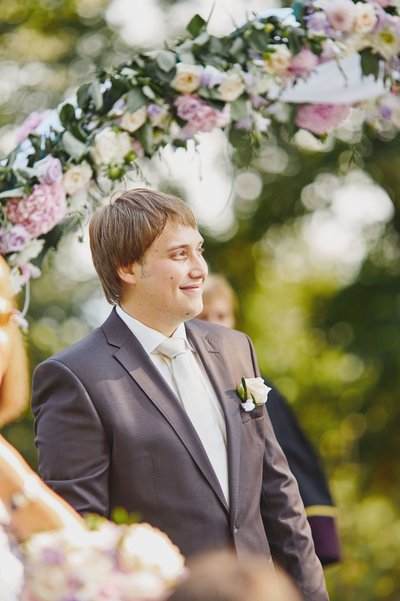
(110, 432)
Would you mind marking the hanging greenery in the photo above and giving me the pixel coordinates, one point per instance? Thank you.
(166, 97)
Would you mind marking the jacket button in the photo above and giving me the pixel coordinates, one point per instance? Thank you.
(235, 530)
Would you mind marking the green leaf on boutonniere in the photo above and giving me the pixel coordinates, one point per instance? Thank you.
(244, 388)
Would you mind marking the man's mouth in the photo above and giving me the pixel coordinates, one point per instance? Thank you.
(191, 288)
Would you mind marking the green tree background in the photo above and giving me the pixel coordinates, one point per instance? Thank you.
(326, 334)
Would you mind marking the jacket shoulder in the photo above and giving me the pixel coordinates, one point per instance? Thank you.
(220, 332)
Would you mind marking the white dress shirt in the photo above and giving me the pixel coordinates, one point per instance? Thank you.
(150, 339)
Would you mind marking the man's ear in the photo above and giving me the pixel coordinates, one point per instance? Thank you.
(128, 273)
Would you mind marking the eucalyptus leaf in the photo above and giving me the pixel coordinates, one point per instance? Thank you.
(146, 138)
(236, 47)
(370, 63)
(258, 40)
(135, 99)
(83, 96)
(295, 42)
(14, 193)
(187, 57)
(196, 26)
(147, 91)
(238, 109)
(26, 172)
(67, 115)
(129, 73)
(97, 95)
(72, 146)
(166, 60)
(201, 39)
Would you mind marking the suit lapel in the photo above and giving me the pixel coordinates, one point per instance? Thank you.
(208, 347)
(132, 356)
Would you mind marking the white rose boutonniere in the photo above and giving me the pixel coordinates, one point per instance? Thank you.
(253, 393)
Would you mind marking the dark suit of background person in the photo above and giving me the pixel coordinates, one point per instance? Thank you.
(220, 305)
(111, 432)
(306, 468)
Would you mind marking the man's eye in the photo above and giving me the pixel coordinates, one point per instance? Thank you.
(180, 253)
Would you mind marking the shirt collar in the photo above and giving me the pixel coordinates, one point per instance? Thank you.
(149, 338)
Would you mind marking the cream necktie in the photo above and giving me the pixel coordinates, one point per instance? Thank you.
(198, 406)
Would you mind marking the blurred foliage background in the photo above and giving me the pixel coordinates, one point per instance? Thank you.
(312, 250)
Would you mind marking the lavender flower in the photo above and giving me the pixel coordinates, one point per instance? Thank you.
(211, 77)
(14, 239)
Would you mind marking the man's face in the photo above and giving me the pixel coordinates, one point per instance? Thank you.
(169, 281)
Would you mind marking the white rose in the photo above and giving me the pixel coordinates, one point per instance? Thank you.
(232, 87)
(187, 78)
(132, 121)
(146, 548)
(77, 178)
(257, 390)
(365, 18)
(48, 583)
(279, 61)
(142, 585)
(111, 147)
(29, 252)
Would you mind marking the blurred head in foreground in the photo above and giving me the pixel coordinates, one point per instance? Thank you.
(219, 301)
(29, 504)
(220, 576)
(14, 374)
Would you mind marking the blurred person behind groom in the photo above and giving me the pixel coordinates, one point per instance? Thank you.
(220, 306)
(221, 576)
(144, 414)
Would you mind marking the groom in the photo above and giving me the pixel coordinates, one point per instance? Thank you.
(143, 413)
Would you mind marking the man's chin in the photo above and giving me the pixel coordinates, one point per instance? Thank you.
(193, 310)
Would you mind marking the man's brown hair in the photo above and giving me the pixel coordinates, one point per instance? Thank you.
(122, 231)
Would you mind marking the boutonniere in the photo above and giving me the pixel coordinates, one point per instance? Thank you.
(253, 393)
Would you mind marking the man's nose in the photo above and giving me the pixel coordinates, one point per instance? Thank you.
(199, 267)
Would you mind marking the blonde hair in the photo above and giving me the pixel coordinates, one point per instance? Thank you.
(122, 231)
(217, 286)
(221, 576)
(14, 373)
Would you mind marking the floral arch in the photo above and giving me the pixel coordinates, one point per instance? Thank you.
(277, 67)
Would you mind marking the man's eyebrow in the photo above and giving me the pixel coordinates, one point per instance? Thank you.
(178, 246)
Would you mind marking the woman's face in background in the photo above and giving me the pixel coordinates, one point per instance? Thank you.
(218, 310)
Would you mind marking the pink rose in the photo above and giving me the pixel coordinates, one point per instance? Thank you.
(303, 63)
(199, 115)
(30, 124)
(382, 3)
(319, 118)
(40, 211)
(341, 14)
(14, 239)
(187, 106)
(49, 170)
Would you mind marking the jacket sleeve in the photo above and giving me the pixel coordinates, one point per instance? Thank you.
(284, 518)
(71, 440)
